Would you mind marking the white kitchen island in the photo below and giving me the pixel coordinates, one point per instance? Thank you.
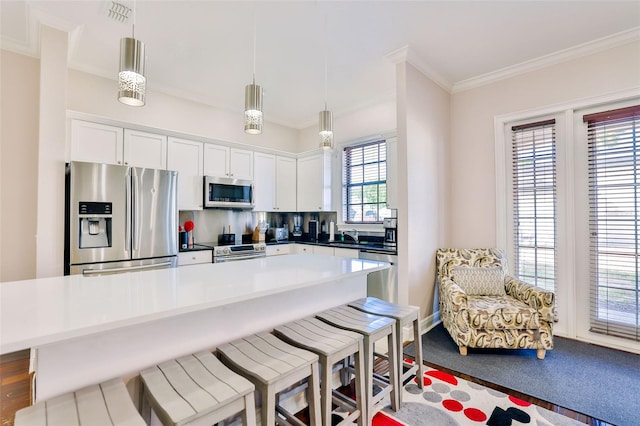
(89, 329)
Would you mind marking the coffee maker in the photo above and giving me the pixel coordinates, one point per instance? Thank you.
(390, 232)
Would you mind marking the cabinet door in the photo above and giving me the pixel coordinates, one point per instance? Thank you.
(303, 249)
(195, 257)
(278, 250)
(285, 184)
(241, 164)
(323, 250)
(185, 157)
(345, 252)
(314, 182)
(142, 149)
(96, 143)
(216, 160)
(264, 172)
(392, 173)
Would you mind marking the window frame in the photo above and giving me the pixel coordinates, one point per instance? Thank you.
(344, 185)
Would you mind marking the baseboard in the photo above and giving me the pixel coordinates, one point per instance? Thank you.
(426, 324)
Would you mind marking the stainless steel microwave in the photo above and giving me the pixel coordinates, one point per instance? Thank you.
(227, 193)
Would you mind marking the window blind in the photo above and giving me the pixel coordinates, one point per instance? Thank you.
(534, 203)
(614, 209)
(365, 183)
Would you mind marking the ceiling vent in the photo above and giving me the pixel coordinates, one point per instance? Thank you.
(118, 11)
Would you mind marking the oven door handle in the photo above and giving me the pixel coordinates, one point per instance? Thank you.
(233, 258)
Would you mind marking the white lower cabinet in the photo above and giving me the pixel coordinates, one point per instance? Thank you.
(302, 249)
(195, 257)
(346, 252)
(323, 250)
(279, 250)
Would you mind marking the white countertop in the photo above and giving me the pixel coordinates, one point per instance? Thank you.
(37, 312)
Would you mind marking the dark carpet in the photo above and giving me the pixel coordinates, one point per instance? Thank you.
(593, 380)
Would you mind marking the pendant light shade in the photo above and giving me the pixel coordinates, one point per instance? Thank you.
(253, 109)
(131, 77)
(326, 129)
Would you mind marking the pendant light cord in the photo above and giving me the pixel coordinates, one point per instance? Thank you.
(325, 60)
(133, 32)
(255, 41)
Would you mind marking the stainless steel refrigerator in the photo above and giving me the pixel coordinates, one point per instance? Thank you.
(119, 218)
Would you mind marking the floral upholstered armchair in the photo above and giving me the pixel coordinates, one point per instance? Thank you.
(481, 306)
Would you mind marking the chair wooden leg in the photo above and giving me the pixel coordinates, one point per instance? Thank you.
(541, 353)
(463, 350)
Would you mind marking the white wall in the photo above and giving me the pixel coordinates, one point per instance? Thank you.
(473, 196)
(423, 141)
(95, 95)
(368, 121)
(19, 88)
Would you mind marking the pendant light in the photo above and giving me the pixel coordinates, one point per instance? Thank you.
(253, 98)
(131, 77)
(325, 121)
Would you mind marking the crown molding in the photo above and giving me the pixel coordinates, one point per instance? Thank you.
(407, 54)
(555, 58)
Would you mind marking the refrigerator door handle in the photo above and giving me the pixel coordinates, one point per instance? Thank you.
(135, 220)
(129, 216)
(125, 269)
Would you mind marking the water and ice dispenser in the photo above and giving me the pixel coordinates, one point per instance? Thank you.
(94, 221)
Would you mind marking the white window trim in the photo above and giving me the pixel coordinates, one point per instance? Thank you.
(337, 188)
(572, 310)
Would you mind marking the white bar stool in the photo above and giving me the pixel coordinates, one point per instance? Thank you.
(273, 366)
(403, 314)
(372, 328)
(196, 389)
(107, 403)
(332, 345)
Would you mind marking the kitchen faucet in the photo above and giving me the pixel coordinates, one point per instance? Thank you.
(353, 233)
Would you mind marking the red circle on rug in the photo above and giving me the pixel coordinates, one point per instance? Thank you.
(519, 401)
(452, 405)
(425, 380)
(408, 361)
(443, 376)
(475, 415)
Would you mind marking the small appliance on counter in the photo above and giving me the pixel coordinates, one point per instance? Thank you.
(226, 239)
(313, 230)
(281, 234)
(390, 232)
(297, 227)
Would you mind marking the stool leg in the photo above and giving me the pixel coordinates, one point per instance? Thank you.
(399, 360)
(145, 407)
(393, 370)
(326, 387)
(314, 399)
(368, 382)
(417, 345)
(360, 386)
(249, 413)
(268, 409)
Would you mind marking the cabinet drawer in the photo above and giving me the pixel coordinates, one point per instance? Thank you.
(278, 250)
(194, 257)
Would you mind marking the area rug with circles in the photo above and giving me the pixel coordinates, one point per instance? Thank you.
(449, 400)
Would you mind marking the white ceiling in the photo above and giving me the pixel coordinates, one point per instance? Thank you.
(203, 50)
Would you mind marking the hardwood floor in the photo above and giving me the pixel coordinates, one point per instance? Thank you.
(15, 385)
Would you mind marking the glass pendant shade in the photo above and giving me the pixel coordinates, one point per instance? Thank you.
(253, 109)
(131, 78)
(326, 129)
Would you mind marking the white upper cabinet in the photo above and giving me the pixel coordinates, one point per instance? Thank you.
(96, 143)
(264, 184)
(392, 173)
(222, 161)
(142, 149)
(241, 164)
(186, 157)
(101, 143)
(286, 184)
(274, 180)
(216, 160)
(314, 182)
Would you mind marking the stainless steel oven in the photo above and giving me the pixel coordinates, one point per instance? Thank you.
(239, 252)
